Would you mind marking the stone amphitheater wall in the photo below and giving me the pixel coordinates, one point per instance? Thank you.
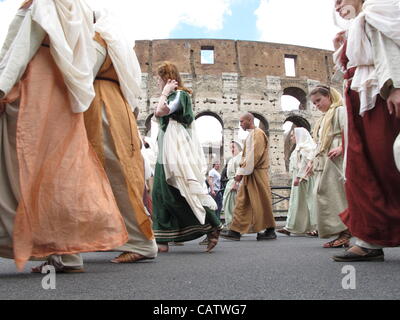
(245, 76)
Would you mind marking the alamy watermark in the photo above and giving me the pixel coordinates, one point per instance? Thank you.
(349, 281)
(49, 280)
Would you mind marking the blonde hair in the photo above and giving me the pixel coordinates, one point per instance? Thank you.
(326, 121)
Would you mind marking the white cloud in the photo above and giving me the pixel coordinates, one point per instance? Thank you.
(149, 19)
(156, 19)
(306, 23)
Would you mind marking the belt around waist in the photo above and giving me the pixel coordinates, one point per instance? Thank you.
(107, 79)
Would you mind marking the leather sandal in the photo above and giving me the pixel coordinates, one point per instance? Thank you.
(312, 233)
(204, 242)
(212, 238)
(163, 248)
(284, 231)
(130, 257)
(342, 241)
(64, 269)
(369, 255)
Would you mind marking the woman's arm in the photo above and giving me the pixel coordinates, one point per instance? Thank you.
(386, 59)
(341, 116)
(162, 108)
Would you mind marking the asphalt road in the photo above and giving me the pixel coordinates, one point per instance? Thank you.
(293, 268)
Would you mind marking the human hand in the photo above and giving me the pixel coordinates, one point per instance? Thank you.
(296, 182)
(309, 169)
(393, 102)
(236, 186)
(339, 40)
(213, 193)
(26, 4)
(238, 178)
(169, 87)
(334, 153)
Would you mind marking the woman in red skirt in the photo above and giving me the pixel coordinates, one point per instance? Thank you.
(369, 54)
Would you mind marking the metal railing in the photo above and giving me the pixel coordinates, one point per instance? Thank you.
(280, 195)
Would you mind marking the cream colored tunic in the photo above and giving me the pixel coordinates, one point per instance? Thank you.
(301, 215)
(229, 200)
(329, 194)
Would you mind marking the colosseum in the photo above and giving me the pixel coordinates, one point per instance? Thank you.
(241, 76)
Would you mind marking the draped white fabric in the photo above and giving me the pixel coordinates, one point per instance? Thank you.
(23, 40)
(305, 143)
(383, 15)
(247, 164)
(185, 167)
(122, 55)
(396, 150)
(69, 24)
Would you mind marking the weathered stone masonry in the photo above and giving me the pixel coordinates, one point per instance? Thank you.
(246, 76)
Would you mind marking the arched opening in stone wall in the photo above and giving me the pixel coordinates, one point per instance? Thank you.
(149, 140)
(263, 123)
(299, 121)
(151, 127)
(290, 123)
(210, 128)
(293, 98)
(259, 122)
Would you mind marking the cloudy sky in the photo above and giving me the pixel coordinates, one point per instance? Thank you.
(300, 22)
(306, 22)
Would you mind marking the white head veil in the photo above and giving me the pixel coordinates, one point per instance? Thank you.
(239, 144)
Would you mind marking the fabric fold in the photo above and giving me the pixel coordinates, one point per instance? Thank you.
(382, 15)
(124, 59)
(185, 167)
(69, 24)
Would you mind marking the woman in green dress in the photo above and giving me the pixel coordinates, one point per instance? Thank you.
(182, 208)
(232, 186)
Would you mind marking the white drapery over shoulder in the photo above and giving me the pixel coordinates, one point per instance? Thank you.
(69, 24)
(185, 167)
(383, 15)
(122, 55)
(247, 164)
(305, 143)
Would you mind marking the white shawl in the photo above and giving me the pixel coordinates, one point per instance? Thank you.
(185, 167)
(305, 143)
(248, 162)
(383, 15)
(122, 56)
(69, 24)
